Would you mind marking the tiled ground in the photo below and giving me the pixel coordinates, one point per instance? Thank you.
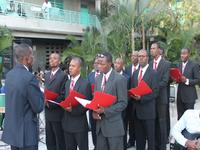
(42, 145)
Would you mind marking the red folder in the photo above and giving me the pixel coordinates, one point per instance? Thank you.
(175, 74)
(70, 100)
(100, 99)
(50, 95)
(141, 90)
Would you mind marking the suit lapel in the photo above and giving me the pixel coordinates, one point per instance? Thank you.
(146, 75)
(99, 81)
(109, 82)
(54, 77)
(160, 65)
(136, 78)
(151, 64)
(186, 68)
(78, 83)
(67, 86)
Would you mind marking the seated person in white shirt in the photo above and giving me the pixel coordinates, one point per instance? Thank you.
(190, 123)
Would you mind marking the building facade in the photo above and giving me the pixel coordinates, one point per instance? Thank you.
(49, 28)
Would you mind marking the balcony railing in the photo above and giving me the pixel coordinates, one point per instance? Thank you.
(30, 10)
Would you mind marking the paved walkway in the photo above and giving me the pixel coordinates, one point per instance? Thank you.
(42, 145)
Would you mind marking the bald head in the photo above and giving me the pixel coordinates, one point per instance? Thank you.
(119, 64)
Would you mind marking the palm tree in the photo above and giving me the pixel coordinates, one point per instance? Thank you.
(86, 49)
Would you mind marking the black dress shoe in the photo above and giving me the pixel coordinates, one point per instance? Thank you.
(130, 144)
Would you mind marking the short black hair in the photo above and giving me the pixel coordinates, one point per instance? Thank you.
(186, 48)
(79, 59)
(21, 50)
(158, 44)
(108, 56)
(26, 41)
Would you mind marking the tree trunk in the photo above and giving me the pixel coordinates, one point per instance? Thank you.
(143, 36)
(133, 39)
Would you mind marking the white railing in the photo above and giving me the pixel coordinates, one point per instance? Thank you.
(30, 10)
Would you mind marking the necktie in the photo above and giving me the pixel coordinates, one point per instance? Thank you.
(140, 76)
(72, 85)
(103, 83)
(51, 76)
(155, 65)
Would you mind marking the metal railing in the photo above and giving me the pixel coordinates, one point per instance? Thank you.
(30, 10)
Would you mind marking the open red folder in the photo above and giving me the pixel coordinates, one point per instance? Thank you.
(175, 74)
(100, 99)
(141, 90)
(50, 95)
(70, 100)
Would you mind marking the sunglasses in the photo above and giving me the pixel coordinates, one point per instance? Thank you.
(100, 55)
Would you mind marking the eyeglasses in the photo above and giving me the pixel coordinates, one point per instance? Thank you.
(141, 56)
(100, 55)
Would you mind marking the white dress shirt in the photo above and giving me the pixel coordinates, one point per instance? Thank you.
(54, 72)
(183, 68)
(189, 121)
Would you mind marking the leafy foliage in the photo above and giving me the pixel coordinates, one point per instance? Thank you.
(5, 38)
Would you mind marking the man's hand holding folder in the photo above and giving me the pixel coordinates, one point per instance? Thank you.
(176, 75)
(141, 90)
(100, 101)
(70, 101)
(49, 95)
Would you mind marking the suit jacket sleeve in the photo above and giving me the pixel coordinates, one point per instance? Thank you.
(80, 110)
(35, 96)
(120, 105)
(61, 96)
(196, 75)
(155, 88)
(165, 78)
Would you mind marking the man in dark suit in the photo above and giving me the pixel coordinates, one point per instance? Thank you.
(24, 101)
(144, 110)
(74, 121)
(91, 78)
(134, 66)
(162, 67)
(129, 71)
(119, 65)
(54, 81)
(187, 94)
(162, 53)
(109, 125)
